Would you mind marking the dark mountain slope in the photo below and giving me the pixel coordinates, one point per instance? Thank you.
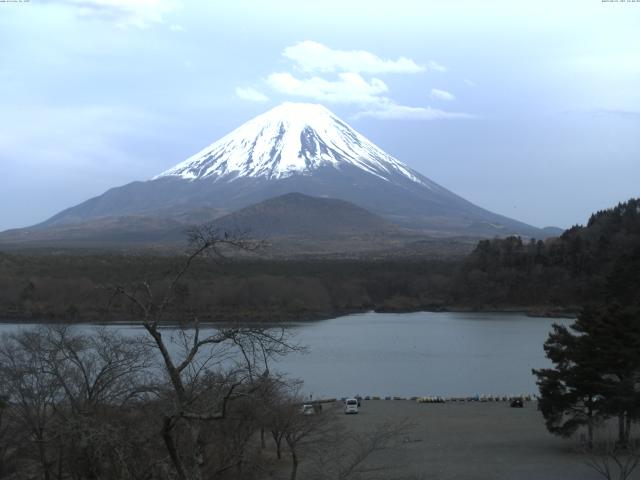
(302, 215)
(297, 148)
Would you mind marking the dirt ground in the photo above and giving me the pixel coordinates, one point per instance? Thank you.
(470, 440)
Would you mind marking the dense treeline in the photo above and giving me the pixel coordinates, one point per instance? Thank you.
(542, 276)
(569, 270)
(80, 287)
(596, 360)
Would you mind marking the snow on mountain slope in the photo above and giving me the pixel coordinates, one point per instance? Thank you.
(292, 138)
(299, 148)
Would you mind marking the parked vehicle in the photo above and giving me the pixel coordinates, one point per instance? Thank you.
(516, 403)
(308, 409)
(351, 405)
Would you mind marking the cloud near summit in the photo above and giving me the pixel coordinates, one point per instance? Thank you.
(251, 94)
(310, 56)
(351, 77)
(349, 87)
(393, 111)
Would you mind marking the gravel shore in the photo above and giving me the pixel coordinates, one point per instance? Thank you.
(471, 440)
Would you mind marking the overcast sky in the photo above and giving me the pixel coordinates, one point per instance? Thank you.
(529, 109)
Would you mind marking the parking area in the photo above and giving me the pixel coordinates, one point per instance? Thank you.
(471, 440)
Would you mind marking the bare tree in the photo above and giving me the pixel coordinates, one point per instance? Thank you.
(103, 368)
(182, 403)
(10, 435)
(196, 397)
(30, 391)
(277, 404)
(612, 460)
(101, 376)
(73, 393)
(345, 455)
(298, 428)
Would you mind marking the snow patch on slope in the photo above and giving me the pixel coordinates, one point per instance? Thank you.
(292, 138)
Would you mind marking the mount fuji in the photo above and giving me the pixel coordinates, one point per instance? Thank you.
(294, 147)
(291, 139)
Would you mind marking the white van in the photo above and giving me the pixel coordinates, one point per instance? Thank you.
(351, 405)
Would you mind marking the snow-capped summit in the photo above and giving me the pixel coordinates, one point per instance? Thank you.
(293, 148)
(292, 138)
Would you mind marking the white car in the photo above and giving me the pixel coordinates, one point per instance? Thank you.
(351, 405)
(308, 409)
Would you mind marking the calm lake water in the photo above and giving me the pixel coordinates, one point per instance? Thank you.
(425, 353)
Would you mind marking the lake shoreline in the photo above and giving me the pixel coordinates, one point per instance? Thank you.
(441, 354)
(538, 311)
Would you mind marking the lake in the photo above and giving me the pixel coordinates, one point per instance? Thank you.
(423, 353)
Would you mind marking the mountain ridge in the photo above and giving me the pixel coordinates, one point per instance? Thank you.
(296, 148)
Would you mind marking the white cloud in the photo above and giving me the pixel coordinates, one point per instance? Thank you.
(349, 88)
(344, 76)
(436, 67)
(311, 56)
(251, 94)
(124, 13)
(393, 111)
(438, 94)
(176, 28)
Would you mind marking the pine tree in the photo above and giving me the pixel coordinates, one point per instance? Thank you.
(610, 335)
(569, 393)
(596, 372)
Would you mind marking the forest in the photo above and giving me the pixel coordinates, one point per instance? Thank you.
(551, 277)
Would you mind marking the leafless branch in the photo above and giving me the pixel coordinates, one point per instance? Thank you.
(612, 461)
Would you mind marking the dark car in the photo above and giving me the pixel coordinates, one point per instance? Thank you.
(516, 403)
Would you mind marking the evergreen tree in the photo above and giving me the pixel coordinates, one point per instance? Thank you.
(610, 335)
(596, 372)
(570, 392)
